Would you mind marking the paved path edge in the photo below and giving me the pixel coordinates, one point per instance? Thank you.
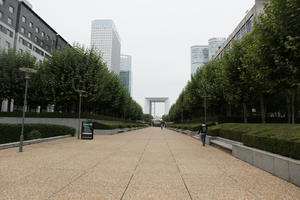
(28, 142)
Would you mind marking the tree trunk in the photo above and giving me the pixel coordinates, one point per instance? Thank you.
(288, 109)
(228, 110)
(245, 113)
(8, 105)
(293, 96)
(262, 108)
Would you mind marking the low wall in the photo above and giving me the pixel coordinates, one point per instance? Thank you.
(71, 122)
(283, 167)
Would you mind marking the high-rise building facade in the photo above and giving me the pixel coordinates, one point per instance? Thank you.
(24, 30)
(199, 56)
(244, 27)
(125, 71)
(214, 44)
(105, 38)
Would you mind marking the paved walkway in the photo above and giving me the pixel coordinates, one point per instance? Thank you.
(141, 165)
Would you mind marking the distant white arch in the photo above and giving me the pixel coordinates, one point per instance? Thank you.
(150, 104)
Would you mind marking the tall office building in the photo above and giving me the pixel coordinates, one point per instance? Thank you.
(125, 71)
(214, 44)
(105, 38)
(199, 56)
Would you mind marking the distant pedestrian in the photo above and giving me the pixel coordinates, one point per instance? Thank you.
(161, 125)
(203, 132)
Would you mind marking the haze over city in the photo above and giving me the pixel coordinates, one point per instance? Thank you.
(157, 34)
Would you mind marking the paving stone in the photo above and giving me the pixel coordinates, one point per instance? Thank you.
(141, 164)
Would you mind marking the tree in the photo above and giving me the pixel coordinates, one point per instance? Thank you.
(12, 80)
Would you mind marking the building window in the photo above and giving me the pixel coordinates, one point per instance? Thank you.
(47, 47)
(10, 33)
(22, 30)
(30, 24)
(42, 43)
(47, 37)
(9, 21)
(35, 39)
(37, 29)
(2, 2)
(11, 9)
(7, 44)
(29, 34)
(43, 34)
(1, 14)
(24, 19)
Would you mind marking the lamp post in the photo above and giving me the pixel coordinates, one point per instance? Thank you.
(79, 113)
(27, 77)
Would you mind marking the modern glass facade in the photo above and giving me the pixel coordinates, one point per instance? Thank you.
(105, 38)
(214, 44)
(199, 56)
(125, 71)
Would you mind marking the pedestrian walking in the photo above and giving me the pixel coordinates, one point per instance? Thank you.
(203, 132)
(161, 125)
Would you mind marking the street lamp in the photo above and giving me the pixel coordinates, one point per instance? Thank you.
(79, 109)
(27, 71)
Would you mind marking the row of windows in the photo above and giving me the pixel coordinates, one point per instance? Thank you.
(24, 20)
(37, 29)
(32, 47)
(6, 31)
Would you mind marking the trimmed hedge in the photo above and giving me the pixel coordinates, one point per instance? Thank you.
(288, 146)
(58, 115)
(191, 127)
(115, 125)
(11, 132)
(282, 139)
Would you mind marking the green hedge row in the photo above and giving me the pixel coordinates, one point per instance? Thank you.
(115, 125)
(228, 134)
(282, 139)
(191, 127)
(289, 146)
(11, 132)
(58, 115)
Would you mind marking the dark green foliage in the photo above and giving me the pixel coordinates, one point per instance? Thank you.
(34, 134)
(282, 139)
(11, 132)
(109, 125)
(288, 146)
(259, 71)
(58, 80)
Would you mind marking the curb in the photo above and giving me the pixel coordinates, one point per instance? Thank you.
(28, 142)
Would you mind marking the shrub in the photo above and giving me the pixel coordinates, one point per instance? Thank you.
(109, 125)
(289, 146)
(11, 132)
(34, 134)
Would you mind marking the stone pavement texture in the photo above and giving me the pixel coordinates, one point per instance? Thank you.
(143, 164)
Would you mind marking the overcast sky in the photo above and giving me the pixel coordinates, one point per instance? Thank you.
(157, 34)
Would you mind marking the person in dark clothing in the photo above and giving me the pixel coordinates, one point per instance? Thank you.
(161, 125)
(203, 131)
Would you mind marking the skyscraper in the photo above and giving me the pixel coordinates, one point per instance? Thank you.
(105, 38)
(199, 56)
(125, 71)
(214, 44)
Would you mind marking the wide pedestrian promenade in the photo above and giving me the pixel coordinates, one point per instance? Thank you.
(145, 164)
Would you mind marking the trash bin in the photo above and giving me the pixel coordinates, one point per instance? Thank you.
(87, 130)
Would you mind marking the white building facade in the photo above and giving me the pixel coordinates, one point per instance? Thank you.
(125, 71)
(105, 39)
(199, 56)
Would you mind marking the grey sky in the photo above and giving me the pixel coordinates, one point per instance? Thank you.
(156, 33)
